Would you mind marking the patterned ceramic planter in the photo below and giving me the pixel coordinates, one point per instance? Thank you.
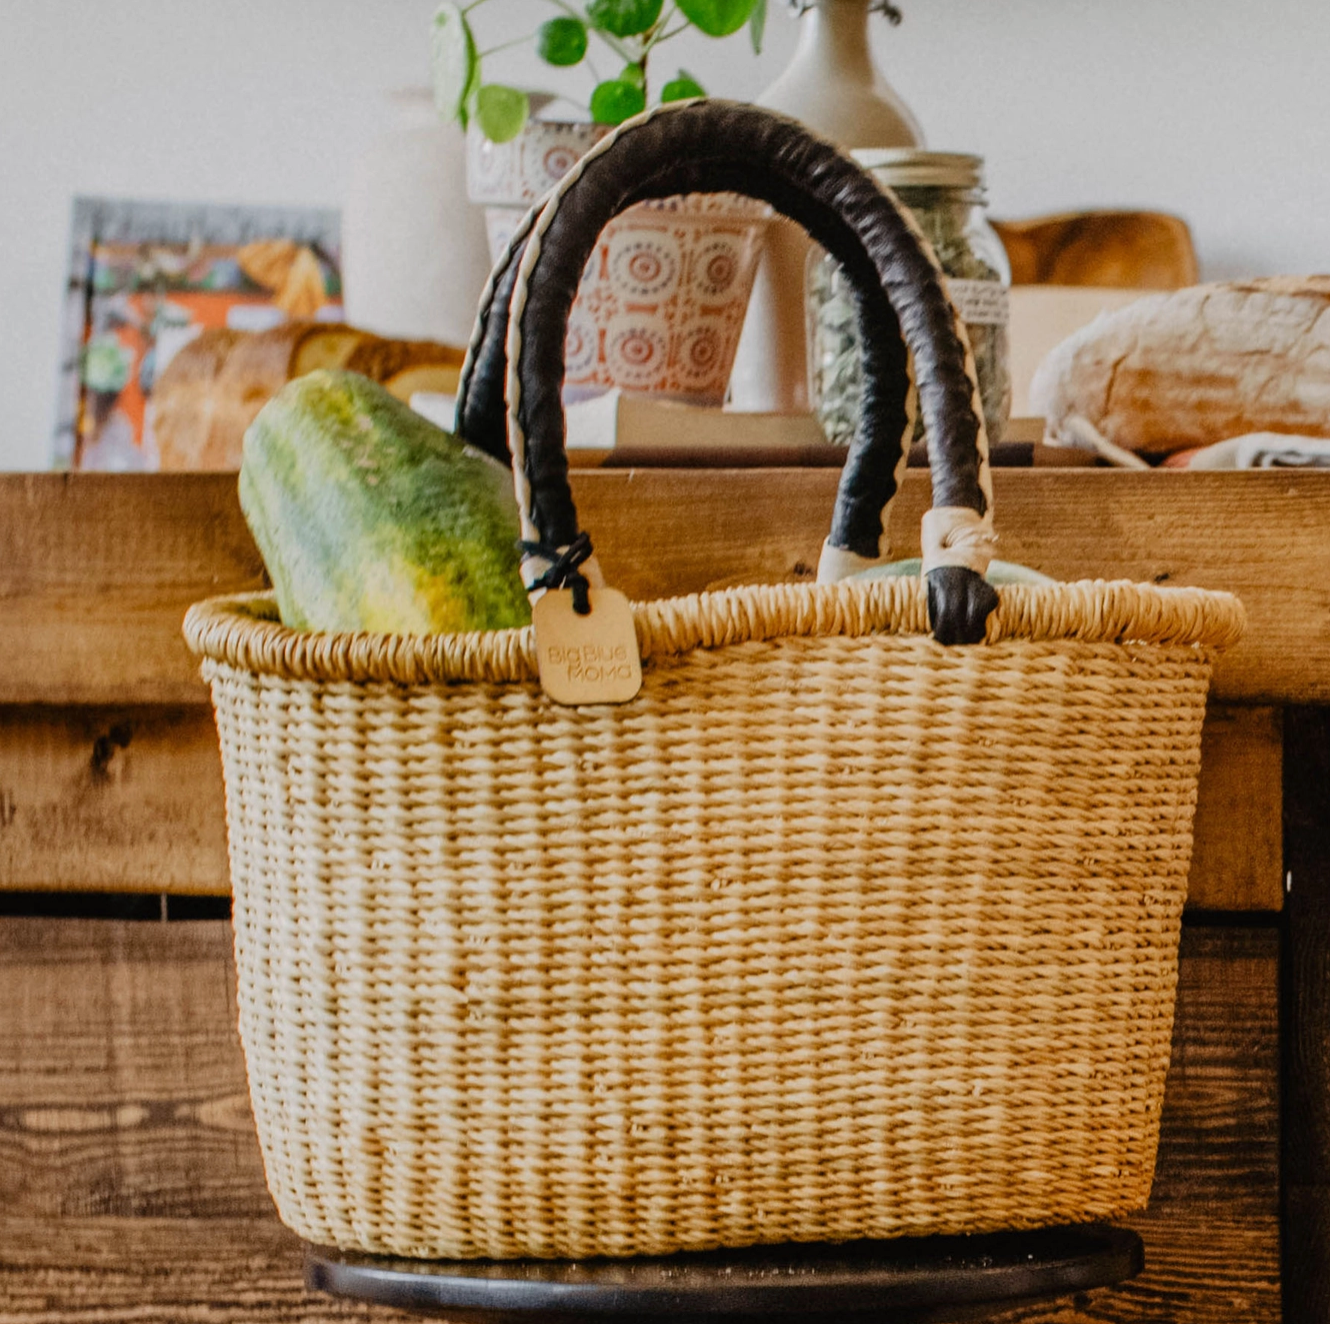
(663, 297)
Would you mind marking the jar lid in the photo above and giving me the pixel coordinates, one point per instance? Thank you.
(901, 167)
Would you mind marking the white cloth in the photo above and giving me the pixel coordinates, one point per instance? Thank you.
(837, 563)
(957, 535)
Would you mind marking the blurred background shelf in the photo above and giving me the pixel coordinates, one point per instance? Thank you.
(97, 570)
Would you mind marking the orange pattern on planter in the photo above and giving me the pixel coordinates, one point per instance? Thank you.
(663, 298)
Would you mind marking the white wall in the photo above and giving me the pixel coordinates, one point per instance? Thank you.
(1216, 109)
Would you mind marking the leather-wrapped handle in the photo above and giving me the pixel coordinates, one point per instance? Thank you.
(871, 473)
(482, 405)
(713, 146)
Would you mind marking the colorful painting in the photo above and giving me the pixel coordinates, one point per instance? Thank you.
(146, 278)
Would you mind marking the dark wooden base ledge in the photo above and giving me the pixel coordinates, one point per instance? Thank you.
(923, 1280)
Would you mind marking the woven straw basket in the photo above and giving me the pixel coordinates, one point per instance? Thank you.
(836, 930)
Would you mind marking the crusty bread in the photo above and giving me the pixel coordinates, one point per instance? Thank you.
(185, 410)
(213, 389)
(1174, 371)
(324, 345)
(435, 378)
(406, 366)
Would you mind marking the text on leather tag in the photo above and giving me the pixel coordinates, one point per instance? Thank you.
(587, 659)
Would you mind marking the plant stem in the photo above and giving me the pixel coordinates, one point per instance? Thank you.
(658, 33)
(505, 45)
(651, 40)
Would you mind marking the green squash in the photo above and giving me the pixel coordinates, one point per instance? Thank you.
(371, 518)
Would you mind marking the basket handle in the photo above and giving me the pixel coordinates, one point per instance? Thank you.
(872, 466)
(482, 405)
(710, 146)
(871, 474)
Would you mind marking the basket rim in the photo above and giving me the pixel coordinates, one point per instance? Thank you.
(243, 630)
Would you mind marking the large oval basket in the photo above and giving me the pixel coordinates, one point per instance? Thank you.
(834, 931)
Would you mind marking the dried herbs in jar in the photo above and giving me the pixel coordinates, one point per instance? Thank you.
(944, 192)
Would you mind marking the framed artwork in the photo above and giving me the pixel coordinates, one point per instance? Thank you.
(146, 278)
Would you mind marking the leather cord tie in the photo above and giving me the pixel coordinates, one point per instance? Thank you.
(563, 571)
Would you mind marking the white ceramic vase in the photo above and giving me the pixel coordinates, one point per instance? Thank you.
(414, 254)
(662, 300)
(834, 87)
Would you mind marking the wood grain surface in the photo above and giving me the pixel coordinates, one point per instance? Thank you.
(96, 570)
(106, 799)
(132, 1190)
(96, 573)
(120, 800)
(1237, 860)
(162, 1271)
(1306, 1019)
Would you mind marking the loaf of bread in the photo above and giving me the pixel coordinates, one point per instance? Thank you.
(212, 390)
(1174, 371)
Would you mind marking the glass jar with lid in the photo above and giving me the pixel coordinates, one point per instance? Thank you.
(944, 191)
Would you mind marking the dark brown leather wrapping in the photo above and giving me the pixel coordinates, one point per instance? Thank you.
(868, 480)
(482, 409)
(709, 146)
(713, 146)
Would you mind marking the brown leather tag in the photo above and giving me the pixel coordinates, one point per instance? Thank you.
(587, 659)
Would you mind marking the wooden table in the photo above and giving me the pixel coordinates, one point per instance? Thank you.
(130, 1182)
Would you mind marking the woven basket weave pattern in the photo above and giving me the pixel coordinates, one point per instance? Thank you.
(819, 938)
(833, 931)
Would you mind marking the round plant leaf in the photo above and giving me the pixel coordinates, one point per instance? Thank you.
(501, 111)
(615, 101)
(634, 74)
(456, 64)
(561, 41)
(624, 18)
(717, 18)
(681, 88)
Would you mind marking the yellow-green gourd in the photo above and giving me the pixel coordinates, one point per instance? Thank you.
(369, 517)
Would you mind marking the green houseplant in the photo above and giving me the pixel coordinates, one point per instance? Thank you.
(663, 300)
(626, 31)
